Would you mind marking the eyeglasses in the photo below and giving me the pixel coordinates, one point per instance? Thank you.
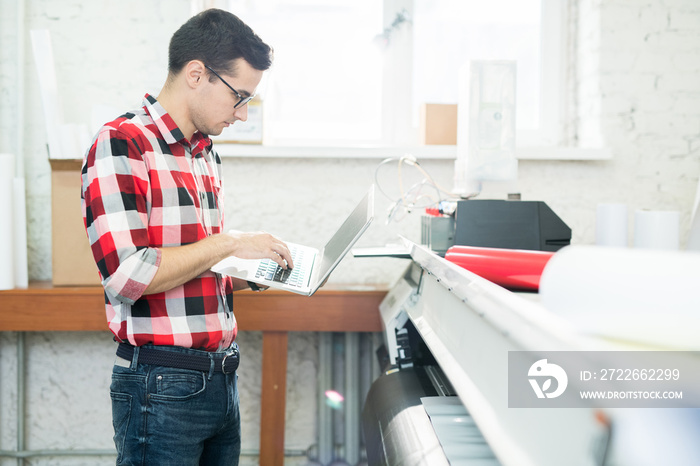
(242, 100)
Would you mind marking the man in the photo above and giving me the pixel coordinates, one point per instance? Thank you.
(153, 205)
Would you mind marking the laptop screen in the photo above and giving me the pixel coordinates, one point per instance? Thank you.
(347, 234)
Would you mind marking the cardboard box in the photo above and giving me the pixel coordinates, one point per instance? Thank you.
(438, 124)
(71, 262)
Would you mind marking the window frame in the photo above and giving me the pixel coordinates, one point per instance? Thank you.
(398, 133)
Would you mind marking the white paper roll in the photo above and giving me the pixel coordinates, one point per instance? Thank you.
(656, 229)
(693, 243)
(7, 259)
(611, 225)
(20, 234)
(638, 295)
(48, 89)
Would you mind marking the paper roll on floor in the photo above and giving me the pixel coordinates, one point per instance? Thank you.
(636, 295)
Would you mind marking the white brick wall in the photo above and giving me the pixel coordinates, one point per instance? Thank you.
(637, 79)
(637, 92)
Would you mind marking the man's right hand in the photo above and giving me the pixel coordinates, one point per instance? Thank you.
(180, 264)
(261, 245)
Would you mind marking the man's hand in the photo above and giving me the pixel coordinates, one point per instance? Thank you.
(180, 264)
(261, 245)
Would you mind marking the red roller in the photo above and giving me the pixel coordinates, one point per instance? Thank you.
(511, 268)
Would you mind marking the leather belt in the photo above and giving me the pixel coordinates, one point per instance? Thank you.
(226, 362)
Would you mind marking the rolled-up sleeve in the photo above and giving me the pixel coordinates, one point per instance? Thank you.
(116, 203)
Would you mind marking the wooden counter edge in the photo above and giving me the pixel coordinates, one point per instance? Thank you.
(337, 308)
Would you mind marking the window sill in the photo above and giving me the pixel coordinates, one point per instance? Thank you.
(381, 152)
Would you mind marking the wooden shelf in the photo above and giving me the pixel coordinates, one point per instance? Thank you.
(42, 307)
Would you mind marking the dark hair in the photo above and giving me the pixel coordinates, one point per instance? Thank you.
(217, 37)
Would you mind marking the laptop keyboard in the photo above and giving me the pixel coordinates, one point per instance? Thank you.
(270, 270)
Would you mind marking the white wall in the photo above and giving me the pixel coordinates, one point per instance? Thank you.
(637, 92)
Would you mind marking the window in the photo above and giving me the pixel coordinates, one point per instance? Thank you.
(325, 84)
(355, 72)
(446, 34)
(449, 33)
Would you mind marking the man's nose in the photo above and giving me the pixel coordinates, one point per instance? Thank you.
(241, 113)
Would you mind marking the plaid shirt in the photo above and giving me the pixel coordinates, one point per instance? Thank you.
(144, 187)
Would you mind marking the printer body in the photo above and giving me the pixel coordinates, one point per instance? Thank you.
(494, 223)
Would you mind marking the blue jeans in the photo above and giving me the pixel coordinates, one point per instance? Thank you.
(165, 416)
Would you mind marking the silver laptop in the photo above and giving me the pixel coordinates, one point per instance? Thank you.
(311, 266)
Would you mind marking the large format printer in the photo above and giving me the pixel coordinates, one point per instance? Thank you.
(444, 396)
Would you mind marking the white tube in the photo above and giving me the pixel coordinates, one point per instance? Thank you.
(48, 87)
(21, 31)
(693, 243)
(656, 229)
(21, 276)
(640, 295)
(611, 225)
(7, 255)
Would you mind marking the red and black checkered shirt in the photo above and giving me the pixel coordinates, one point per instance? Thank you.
(146, 187)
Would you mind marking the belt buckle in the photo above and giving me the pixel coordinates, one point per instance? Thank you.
(230, 352)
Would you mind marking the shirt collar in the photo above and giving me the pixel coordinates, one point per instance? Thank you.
(170, 131)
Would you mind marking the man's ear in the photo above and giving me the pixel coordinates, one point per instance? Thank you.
(195, 73)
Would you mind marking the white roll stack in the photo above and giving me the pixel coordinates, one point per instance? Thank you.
(636, 295)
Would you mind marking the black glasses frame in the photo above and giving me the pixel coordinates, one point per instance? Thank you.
(242, 100)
